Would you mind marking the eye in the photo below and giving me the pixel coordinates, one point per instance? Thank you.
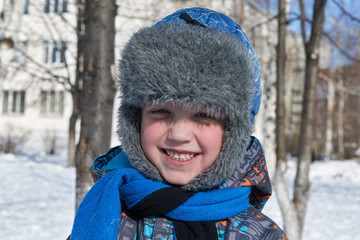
(159, 111)
(207, 118)
(205, 115)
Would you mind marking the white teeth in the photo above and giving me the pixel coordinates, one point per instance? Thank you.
(180, 156)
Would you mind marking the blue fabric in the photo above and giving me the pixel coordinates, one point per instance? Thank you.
(212, 19)
(98, 216)
(121, 160)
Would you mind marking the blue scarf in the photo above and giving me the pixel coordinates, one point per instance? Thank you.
(98, 216)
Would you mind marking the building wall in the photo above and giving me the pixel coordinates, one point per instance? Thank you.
(43, 65)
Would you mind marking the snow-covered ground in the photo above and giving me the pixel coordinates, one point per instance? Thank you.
(37, 199)
(333, 211)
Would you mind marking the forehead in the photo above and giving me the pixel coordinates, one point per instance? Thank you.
(177, 107)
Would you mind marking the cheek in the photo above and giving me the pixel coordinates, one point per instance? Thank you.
(145, 136)
(214, 137)
(150, 135)
(211, 142)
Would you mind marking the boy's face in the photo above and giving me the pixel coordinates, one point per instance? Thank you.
(180, 143)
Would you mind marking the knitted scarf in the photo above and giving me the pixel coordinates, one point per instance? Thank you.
(98, 216)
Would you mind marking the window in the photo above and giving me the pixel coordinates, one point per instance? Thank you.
(27, 3)
(52, 102)
(19, 52)
(64, 5)
(13, 102)
(56, 6)
(47, 6)
(54, 52)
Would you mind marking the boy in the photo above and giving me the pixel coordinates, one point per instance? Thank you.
(188, 167)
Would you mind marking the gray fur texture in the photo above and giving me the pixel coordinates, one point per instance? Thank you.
(192, 67)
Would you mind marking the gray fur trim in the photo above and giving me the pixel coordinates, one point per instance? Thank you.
(190, 66)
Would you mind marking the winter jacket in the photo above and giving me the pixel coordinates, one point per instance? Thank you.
(249, 224)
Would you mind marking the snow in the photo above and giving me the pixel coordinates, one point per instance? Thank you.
(334, 205)
(37, 196)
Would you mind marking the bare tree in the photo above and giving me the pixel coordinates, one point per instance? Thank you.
(75, 89)
(39, 71)
(340, 121)
(98, 89)
(291, 220)
(344, 40)
(302, 184)
(329, 119)
(293, 211)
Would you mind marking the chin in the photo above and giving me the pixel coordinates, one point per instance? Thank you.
(177, 181)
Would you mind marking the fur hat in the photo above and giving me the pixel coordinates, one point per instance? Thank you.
(191, 65)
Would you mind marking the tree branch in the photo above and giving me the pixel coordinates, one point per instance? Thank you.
(302, 21)
(345, 12)
(341, 50)
(66, 80)
(264, 22)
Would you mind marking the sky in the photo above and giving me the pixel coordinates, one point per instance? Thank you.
(342, 28)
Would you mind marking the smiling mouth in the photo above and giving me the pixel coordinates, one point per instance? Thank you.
(180, 156)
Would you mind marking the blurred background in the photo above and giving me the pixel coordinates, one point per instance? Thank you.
(58, 98)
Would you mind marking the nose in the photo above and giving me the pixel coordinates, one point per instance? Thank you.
(180, 131)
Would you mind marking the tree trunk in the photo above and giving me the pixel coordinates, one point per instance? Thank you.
(72, 136)
(302, 185)
(329, 119)
(280, 87)
(286, 205)
(76, 91)
(238, 11)
(98, 89)
(340, 120)
(358, 131)
(265, 121)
